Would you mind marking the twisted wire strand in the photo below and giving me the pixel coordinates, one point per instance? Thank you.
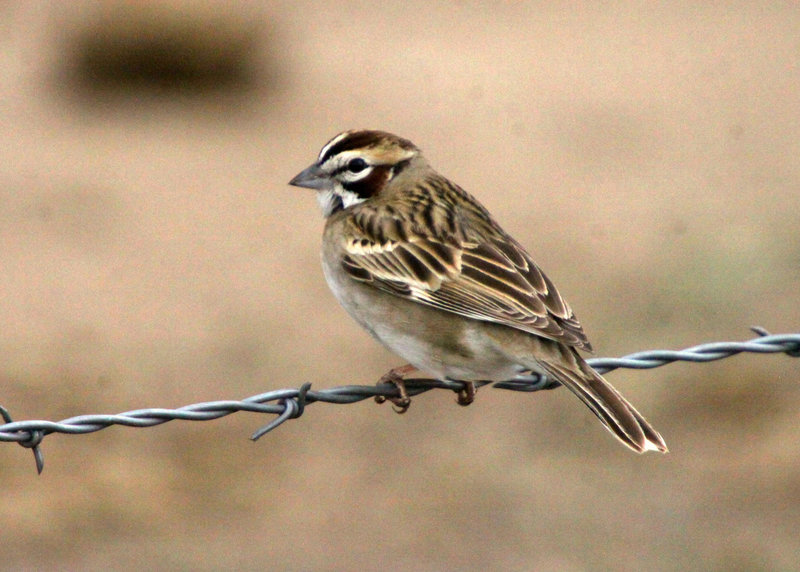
(290, 403)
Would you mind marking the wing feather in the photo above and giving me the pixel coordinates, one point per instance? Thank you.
(485, 278)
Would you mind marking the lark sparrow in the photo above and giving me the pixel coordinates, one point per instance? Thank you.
(424, 268)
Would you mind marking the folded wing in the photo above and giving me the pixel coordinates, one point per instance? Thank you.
(488, 280)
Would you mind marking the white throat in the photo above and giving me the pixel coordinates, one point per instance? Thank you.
(331, 201)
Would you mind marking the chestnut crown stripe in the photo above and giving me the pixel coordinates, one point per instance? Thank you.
(351, 140)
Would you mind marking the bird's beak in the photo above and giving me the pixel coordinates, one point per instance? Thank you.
(311, 178)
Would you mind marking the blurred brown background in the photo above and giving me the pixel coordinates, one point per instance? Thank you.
(152, 255)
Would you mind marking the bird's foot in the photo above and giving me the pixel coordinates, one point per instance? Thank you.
(467, 394)
(395, 377)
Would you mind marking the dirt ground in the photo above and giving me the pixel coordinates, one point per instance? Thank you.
(152, 255)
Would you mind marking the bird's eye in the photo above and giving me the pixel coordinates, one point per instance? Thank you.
(356, 165)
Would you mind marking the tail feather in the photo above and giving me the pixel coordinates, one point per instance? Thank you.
(613, 410)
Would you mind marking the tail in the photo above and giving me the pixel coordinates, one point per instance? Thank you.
(613, 410)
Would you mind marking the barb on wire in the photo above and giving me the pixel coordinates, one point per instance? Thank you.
(30, 440)
(291, 403)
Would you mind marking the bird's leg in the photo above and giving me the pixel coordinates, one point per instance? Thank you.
(395, 377)
(466, 395)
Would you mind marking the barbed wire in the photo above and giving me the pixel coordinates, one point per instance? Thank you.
(290, 403)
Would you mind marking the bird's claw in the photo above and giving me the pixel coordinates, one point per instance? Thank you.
(466, 395)
(402, 402)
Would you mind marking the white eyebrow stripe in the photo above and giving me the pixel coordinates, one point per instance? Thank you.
(331, 143)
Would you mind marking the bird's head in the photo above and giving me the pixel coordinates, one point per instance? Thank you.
(355, 166)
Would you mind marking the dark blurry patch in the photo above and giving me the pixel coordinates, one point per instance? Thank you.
(156, 49)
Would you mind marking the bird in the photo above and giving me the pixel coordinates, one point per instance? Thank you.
(424, 267)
